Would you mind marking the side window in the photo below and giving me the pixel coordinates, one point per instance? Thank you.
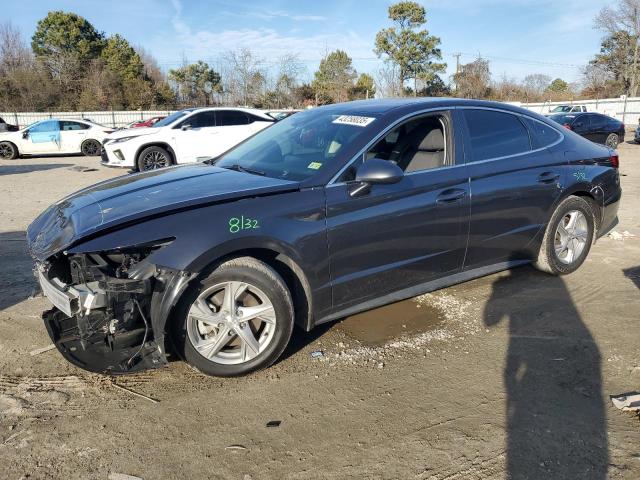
(598, 121)
(581, 123)
(416, 145)
(231, 117)
(542, 135)
(66, 125)
(495, 134)
(201, 120)
(45, 126)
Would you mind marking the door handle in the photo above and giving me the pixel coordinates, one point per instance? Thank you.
(548, 177)
(451, 195)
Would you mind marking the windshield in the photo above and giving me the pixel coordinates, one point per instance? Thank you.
(298, 146)
(562, 108)
(170, 119)
(563, 119)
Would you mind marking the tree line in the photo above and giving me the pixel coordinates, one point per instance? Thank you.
(71, 65)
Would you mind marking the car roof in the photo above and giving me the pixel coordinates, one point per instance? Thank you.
(253, 111)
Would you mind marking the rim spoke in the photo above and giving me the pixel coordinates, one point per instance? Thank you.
(201, 311)
(263, 312)
(249, 341)
(571, 224)
(209, 347)
(232, 291)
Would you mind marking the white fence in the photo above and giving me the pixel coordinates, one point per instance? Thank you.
(627, 111)
(110, 118)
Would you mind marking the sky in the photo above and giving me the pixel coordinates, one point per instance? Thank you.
(518, 37)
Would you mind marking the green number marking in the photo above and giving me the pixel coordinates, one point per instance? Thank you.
(243, 223)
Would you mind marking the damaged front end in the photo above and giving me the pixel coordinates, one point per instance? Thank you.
(111, 308)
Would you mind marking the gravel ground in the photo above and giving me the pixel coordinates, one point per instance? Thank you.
(508, 376)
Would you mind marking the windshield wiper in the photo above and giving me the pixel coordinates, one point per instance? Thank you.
(239, 168)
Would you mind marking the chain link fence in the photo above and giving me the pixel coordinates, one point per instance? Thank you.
(112, 118)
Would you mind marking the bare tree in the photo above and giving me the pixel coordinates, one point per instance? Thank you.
(244, 76)
(387, 81)
(534, 86)
(624, 17)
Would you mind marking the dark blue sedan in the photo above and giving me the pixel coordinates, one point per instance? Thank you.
(593, 126)
(329, 212)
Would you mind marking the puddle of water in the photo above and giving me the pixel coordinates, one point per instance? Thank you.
(376, 327)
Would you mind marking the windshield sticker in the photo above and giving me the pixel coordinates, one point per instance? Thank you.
(243, 223)
(354, 120)
(314, 165)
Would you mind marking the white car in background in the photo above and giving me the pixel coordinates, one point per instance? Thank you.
(187, 136)
(54, 136)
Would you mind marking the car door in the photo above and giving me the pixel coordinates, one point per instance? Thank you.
(43, 137)
(398, 236)
(195, 137)
(582, 126)
(515, 181)
(599, 128)
(72, 134)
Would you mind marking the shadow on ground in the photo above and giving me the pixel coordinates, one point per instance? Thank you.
(17, 282)
(633, 274)
(556, 425)
(19, 169)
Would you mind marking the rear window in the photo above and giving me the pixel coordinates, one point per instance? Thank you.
(495, 134)
(563, 119)
(542, 135)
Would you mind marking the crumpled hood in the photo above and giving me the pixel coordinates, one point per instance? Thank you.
(133, 197)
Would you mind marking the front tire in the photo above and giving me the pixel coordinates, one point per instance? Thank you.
(568, 237)
(152, 158)
(90, 148)
(237, 320)
(612, 141)
(8, 151)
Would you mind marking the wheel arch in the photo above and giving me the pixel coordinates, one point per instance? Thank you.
(293, 275)
(14, 146)
(160, 144)
(593, 195)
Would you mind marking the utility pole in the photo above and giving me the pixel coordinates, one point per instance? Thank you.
(457, 55)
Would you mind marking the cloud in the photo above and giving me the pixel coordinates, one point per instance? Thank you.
(268, 43)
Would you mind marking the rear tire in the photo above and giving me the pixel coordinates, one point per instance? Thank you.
(8, 151)
(568, 237)
(612, 140)
(152, 158)
(237, 320)
(90, 148)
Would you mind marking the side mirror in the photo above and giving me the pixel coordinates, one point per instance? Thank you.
(186, 127)
(25, 134)
(375, 172)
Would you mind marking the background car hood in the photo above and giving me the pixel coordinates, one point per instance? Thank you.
(133, 197)
(133, 132)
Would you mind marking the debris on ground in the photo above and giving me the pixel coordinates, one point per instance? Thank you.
(236, 447)
(122, 476)
(132, 392)
(620, 236)
(273, 423)
(317, 354)
(627, 402)
(38, 351)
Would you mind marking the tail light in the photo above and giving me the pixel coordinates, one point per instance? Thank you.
(567, 126)
(615, 161)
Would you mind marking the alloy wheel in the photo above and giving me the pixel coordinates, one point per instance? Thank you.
(6, 151)
(154, 159)
(231, 323)
(91, 148)
(612, 141)
(571, 236)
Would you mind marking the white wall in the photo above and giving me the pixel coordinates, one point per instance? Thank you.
(614, 107)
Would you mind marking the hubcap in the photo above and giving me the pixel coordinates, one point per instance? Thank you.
(571, 236)
(612, 141)
(153, 160)
(230, 323)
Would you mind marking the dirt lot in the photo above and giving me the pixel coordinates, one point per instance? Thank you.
(508, 376)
